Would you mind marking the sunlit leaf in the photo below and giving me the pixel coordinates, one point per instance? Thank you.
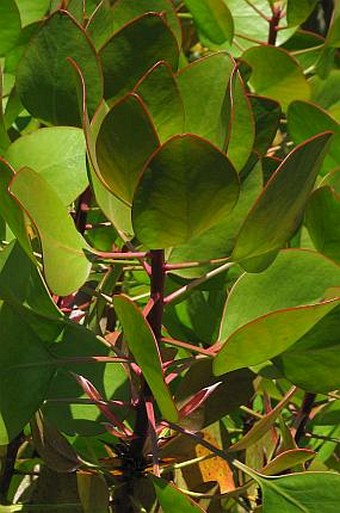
(170, 497)
(213, 19)
(278, 211)
(284, 313)
(63, 247)
(204, 88)
(165, 214)
(143, 346)
(58, 155)
(285, 85)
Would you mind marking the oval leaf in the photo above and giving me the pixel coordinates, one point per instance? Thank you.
(171, 498)
(122, 66)
(205, 92)
(213, 19)
(187, 187)
(65, 265)
(58, 155)
(289, 302)
(288, 83)
(45, 78)
(159, 91)
(125, 141)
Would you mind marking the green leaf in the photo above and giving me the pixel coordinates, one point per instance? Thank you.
(26, 370)
(32, 10)
(306, 120)
(55, 450)
(170, 498)
(312, 363)
(126, 139)
(242, 131)
(219, 241)
(289, 302)
(58, 155)
(186, 188)
(213, 19)
(45, 78)
(252, 26)
(143, 346)
(299, 10)
(267, 114)
(66, 405)
(278, 211)
(204, 89)
(287, 460)
(261, 427)
(108, 19)
(159, 92)
(123, 67)
(307, 492)
(93, 492)
(10, 26)
(62, 246)
(9, 208)
(322, 219)
(288, 83)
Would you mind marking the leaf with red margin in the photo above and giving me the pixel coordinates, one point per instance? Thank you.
(279, 209)
(123, 66)
(143, 346)
(291, 297)
(125, 141)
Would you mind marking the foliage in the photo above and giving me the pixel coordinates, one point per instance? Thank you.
(169, 256)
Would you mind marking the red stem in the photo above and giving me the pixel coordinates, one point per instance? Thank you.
(273, 25)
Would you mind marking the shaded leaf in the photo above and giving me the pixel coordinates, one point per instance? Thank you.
(170, 497)
(242, 130)
(186, 174)
(10, 25)
(45, 78)
(267, 115)
(306, 120)
(143, 346)
(58, 155)
(107, 18)
(63, 247)
(278, 210)
(322, 219)
(298, 11)
(9, 209)
(93, 492)
(219, 241)
(122, 67)
(125, 141)
(57, 453)
(159, 92)
(23, 355)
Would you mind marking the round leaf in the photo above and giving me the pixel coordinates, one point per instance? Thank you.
(58, 155)
(45, 78)
(288, 83)
(187, 187)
